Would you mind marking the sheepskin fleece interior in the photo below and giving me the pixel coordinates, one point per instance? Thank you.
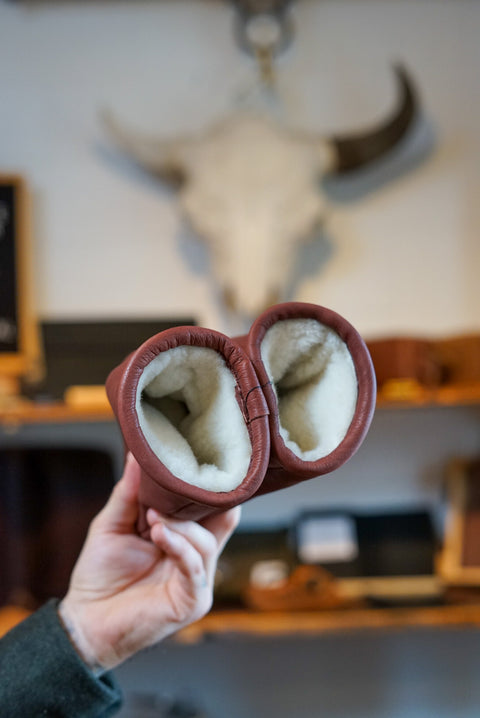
(188, 413)
(315, 381)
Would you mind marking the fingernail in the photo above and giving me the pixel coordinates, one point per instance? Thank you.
(152, 516)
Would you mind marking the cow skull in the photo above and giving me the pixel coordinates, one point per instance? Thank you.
(251, 188)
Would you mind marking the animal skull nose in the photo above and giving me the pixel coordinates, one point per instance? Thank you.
(251, 304)
(229, 298)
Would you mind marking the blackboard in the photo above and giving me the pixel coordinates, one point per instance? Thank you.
(9, 276)
(19, 342)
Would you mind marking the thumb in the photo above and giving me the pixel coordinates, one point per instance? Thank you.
(121, 510)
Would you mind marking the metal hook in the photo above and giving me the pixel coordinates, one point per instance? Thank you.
(264, 33)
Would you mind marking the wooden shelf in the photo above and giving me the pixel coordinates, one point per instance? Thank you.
(316, 623)
(21, 411)
(17, 411)
(407, 396)
(307, 624)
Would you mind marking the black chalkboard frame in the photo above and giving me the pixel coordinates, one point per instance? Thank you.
(19, 344)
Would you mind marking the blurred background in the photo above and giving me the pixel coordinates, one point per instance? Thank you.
(395, 250)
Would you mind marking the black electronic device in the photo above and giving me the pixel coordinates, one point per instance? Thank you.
(82, 353)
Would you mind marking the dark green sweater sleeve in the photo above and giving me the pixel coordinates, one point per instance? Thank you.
(41, 674)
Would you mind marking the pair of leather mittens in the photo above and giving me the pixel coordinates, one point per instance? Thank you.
(214, 421)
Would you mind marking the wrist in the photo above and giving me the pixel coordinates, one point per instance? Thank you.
(78, 639)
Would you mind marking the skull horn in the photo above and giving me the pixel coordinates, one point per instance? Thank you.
(161, 157)
(353, 152)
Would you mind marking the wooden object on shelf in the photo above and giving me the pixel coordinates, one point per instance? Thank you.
(404, 391)
(87, 397)
(459, 563)
(307, 588)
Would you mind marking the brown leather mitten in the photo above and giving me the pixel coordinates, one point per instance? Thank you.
(319, 383)
(191, 412)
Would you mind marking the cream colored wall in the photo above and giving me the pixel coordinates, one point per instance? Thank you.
(111, 242)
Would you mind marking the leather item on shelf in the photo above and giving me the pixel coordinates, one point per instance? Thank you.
(404, 358)
(458, 359)
(426, 363)
(268, 470)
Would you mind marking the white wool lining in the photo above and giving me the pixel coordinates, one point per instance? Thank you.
(189, 415)
(314, 378)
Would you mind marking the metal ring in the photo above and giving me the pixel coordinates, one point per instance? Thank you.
(247, 26)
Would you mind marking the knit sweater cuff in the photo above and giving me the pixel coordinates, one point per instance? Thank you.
(41, 673)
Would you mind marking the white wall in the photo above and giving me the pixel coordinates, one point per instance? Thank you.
(110, 242)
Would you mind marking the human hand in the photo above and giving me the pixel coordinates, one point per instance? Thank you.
(126, 593)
